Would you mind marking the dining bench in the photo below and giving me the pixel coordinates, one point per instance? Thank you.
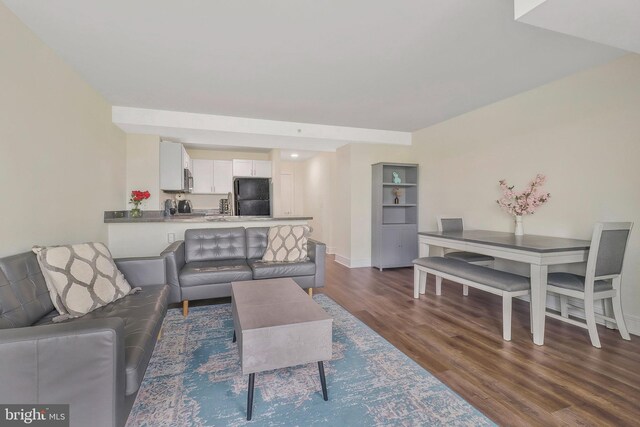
(507, 285)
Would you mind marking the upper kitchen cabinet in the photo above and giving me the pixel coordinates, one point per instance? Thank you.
(174, 167)
(252, 168)
(222, 176)
(212, 176)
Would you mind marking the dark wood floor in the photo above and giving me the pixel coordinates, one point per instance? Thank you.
(459, 340)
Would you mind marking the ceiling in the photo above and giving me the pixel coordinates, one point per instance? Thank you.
(378, 64)
(611, 22)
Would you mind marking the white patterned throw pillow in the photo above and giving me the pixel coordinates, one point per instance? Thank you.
(287, 243)
(80, 278)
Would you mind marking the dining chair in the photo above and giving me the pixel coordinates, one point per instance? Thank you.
(601, 281)
(453, 224)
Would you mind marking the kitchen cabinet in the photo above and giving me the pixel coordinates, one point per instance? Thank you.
(173, 158)
(202, 176)
(252, 168)
(222, 176)
(212, 176)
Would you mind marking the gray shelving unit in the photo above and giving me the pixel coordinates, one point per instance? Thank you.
(394, 227)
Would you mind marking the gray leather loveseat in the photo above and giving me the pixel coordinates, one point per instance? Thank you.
(205, 263)
(94, 363)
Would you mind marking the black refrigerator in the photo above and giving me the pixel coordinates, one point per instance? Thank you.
(252, 196)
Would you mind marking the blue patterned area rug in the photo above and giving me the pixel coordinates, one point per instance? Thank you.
(194, 379)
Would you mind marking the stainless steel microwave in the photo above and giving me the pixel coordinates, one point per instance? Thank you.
(188, 181)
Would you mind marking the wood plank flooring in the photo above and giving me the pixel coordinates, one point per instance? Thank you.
(459, 340)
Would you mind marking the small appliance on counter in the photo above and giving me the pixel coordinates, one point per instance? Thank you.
(170, 207)
(224, 207)
(184, 206)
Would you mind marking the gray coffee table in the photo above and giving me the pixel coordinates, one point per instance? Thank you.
(278, 325)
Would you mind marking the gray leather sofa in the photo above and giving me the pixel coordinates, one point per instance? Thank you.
(204, 264)
(94, 363)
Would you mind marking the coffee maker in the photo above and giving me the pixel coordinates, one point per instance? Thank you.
(184, 206)
(170, 207)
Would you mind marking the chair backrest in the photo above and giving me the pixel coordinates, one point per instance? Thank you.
(450, 224)
(606, 254)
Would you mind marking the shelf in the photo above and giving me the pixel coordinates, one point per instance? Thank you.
(395, 224)
(402, 184)
(393, 205)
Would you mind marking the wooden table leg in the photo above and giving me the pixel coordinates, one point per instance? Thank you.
(323, 381)
(252, 378)
(538, 301)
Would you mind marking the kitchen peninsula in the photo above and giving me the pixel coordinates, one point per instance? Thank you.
(150, 234)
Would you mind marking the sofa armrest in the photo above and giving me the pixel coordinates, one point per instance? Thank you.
(80, 363)
(174, 256)
(317, 252)
(143, 271)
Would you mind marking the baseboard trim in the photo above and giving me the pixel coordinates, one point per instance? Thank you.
(342, 260)
(358, 263)
(331, 250)
(633, 323)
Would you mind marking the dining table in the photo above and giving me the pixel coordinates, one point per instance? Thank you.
(538, 251)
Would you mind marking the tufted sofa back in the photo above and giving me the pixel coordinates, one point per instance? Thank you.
(214, 244)
(24, 298)
(257, 239)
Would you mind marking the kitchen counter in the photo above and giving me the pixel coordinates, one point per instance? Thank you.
(198, 217)
(153, 232)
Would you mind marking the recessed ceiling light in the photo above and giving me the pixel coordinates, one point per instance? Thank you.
(294, 155)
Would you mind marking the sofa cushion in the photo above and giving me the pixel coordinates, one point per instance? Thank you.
(142, 313)
(287, 243)
(257, 239)
(270, 270)
(212, 272)
(24, 297)
(214, 244)
(83, 276)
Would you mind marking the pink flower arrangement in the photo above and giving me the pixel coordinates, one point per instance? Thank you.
(524, 202)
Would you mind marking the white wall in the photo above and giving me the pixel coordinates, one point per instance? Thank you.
(583, 132)
(62, 161)
(143, 169)
(352, 216)
(319, 195)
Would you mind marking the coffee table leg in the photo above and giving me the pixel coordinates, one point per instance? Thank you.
(234, 335)
(252, 378)
(323, 381)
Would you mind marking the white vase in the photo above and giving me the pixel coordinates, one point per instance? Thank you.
(519, 228)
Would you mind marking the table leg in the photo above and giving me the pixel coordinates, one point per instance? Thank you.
(252, 378)
(538, 301)
(423, 250)
(234, 336)
(323, 381)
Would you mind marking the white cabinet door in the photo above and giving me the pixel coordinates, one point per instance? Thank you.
(242, 167)
(171, 166)
(222, 176)
(262, 168)
(202, 176)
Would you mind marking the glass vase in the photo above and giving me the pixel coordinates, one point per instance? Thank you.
(519, 228)
(135, 213)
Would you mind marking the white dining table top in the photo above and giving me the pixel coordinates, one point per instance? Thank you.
(528, 242)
